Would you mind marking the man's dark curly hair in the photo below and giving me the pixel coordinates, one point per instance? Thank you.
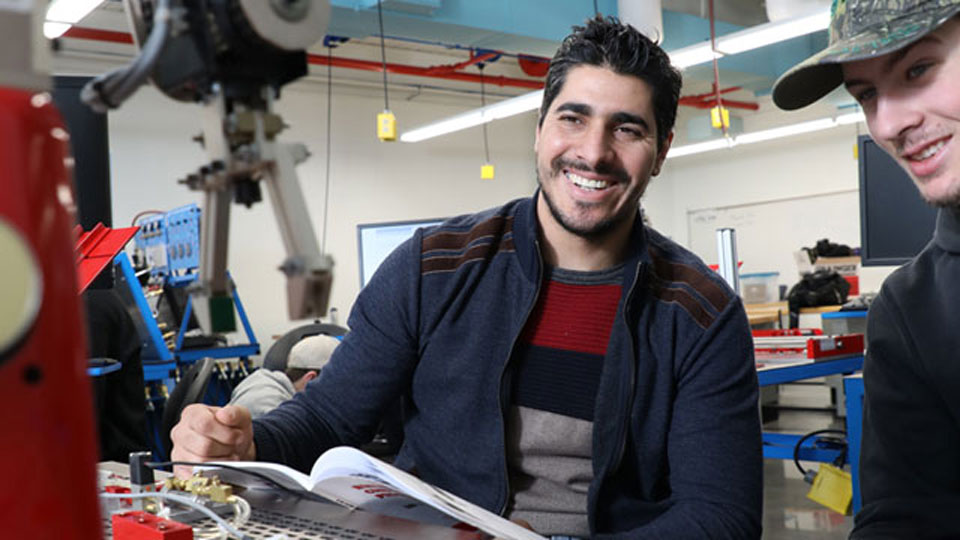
(622, 48)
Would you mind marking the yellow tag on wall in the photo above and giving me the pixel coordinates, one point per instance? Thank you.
(486, 172)
(833, 488)
(386, 126)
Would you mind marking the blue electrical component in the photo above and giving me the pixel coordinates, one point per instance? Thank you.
(171, 244)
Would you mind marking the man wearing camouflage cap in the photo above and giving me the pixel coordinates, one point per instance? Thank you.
(900, 59)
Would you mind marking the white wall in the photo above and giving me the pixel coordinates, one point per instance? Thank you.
(803, 166)
(370, 181)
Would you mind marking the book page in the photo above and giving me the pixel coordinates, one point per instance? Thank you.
(285, 476)
(372, 495)
(352, 463)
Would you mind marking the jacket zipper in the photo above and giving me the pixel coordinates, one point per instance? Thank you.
(503, 414)
(622, 438)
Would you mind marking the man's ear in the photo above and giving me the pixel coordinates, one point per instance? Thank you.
(662, 154)
(301, 383)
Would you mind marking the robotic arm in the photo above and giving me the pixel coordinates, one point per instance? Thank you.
(233, 56)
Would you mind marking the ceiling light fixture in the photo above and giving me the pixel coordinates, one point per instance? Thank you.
(765, 34)
(495, 111)
(737, 42)
(751, 38)
(766, 135)
(62, 14)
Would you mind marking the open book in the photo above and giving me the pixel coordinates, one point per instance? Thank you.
(351, 478)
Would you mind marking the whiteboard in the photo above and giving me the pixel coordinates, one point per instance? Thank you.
(769, 232)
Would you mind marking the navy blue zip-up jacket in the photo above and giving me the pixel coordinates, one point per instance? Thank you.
(676, 440)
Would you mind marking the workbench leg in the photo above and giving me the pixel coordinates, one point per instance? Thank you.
(853, 387)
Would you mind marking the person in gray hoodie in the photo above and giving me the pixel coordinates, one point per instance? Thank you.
(265, 389)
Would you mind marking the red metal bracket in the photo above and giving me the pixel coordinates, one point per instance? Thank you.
(96, 248)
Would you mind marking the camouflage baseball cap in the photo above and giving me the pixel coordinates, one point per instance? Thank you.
(859, 29)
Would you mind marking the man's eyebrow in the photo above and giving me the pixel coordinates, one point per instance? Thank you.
(622, 117)
(629, 118)
(579, 108)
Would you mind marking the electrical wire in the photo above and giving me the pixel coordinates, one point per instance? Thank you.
(483, 103)
(383, 56)
(716, 70)
(186, 501)
(241, 514)
(326, 188)
(796, 447)
(133, 222)
(111, 89)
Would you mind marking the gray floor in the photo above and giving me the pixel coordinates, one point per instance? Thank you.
(787, 513)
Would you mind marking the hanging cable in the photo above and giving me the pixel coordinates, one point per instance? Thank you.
(486, 170)
(386, 121)
(716, 72)
(383, 56)
(483, 103)
(840, 442)
(326, 187)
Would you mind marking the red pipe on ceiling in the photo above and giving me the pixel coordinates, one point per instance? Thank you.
(474, 59)
(700, 101)
(709, 100)
(403, 69)
(437, 72)
(711, 103)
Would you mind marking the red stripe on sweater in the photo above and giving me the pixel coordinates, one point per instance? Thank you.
(573, 317)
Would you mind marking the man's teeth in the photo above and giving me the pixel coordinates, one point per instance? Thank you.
(928, 151)
(586, 183)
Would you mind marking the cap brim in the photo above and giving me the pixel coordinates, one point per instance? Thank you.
(807, 82)
(818, 75)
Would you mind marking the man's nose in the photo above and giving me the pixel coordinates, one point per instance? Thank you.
(595, 147)
(895, 115)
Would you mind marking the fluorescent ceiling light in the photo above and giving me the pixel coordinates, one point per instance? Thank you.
(751, 38)
(63, 13)
(495, 111)
(766, 135)
(692, 55)
(697, 148)
(765, 34)
(785, 131)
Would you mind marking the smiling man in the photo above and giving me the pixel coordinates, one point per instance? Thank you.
(561, 363)
(900, 59)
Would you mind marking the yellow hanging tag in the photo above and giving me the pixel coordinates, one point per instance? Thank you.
(386, 126)
(486, 172)
(719, 117)
(833, 488)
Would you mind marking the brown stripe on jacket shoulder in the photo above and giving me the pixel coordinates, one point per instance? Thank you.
(490, 233)
(455, 241)
(671, 271)
(683, 297)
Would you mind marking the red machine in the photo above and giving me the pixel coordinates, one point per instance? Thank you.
(48, 446)
(802, 343)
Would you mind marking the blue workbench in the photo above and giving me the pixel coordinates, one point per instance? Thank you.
(781, 445)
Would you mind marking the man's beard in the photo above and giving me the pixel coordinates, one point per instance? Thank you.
(597, 230)
(951, 200)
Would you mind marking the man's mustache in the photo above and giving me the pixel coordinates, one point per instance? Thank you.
(560, 163)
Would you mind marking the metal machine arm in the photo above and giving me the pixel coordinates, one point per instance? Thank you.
(234, 55)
